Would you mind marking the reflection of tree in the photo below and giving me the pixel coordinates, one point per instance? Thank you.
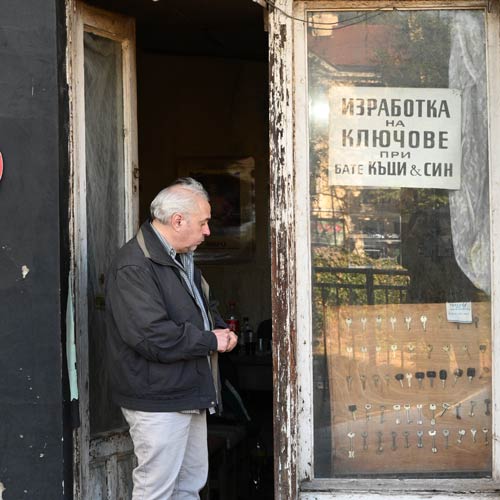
(418, 51)
(416, 55)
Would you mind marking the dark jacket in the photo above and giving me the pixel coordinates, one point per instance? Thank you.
(156, 343)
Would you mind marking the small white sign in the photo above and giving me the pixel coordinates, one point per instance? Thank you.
(459, 312)
(395, 137)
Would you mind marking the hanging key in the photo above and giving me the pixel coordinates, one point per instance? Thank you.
(392, 321)
(446, 407)
(348, 322)
(420, 442)
(440, 319)
(443, 375)
(484, 372)
(394, 348)
(482, 348)
(352, 409)
(433, 407)
(487, 403)
(485, 433)
(407, 408)
(476, 320)
(408, 322)
(473, 431)
(368, 407)
(387, 379)
(411, 348)
(423, 320)
(351, 435)
(409, 376)
(446, 434)
(380, 447)
(400, 377)
(378, 322)
(457, 411)
(429, 348)
(457, 374)
(349, 382)
(364, 351)
(363, 324)
(364, 435)
(376, 380)
(432, 433)
(465, 348)
(350, 351)
(461, 434)
(431, 375)
(394, 435)
(406, 435)
(471, 373)
(420, 379)
(382, 410)
(362, 377)
(472, 405)
(397, 409)
(446, 348)
(420, 419)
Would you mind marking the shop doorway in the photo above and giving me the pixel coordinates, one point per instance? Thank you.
(201, 77)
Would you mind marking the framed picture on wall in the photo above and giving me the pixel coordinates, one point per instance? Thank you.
(231, 187)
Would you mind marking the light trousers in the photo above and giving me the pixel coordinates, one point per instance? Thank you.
(172, 454)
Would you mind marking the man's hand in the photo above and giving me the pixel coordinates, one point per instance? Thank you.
(226, 339)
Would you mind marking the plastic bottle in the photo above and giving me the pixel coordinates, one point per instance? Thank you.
(233, 322)
(249, 337)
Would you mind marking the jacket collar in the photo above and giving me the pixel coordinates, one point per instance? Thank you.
(155, 248)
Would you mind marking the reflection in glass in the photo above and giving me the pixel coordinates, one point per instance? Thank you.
(401, 277)
(104, 149)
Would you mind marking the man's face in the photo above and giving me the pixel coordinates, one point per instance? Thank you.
(194, 227)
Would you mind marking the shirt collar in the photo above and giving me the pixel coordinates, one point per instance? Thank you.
(169, 248)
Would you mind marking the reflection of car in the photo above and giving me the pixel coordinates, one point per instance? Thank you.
(376, 245)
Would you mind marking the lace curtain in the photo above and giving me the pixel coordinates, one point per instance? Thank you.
(469, 206)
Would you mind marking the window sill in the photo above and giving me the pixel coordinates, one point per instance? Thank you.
(400, 488)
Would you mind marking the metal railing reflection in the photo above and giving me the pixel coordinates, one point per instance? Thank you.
(361, 286)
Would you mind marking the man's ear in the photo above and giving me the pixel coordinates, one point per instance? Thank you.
(176, 221)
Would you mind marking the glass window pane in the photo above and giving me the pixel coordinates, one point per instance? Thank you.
(104, 149)
(400, 243)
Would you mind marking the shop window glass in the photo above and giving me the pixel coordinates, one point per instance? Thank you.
(400, 243)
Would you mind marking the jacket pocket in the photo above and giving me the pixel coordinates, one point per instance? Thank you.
(173, 378)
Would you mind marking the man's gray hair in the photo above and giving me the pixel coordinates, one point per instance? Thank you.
(179, 197)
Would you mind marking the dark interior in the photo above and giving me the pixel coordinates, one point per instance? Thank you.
(202, 92)
(226, 28)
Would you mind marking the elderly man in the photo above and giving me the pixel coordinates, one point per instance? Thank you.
(162, 341)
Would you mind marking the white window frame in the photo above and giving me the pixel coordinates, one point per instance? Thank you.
(343, 489)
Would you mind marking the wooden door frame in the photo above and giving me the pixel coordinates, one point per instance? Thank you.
(283, 242)
(293, 417)
(81, 18)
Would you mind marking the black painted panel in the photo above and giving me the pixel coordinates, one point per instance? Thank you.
(31, 459)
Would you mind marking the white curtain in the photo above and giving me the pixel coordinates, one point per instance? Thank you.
(469, 206)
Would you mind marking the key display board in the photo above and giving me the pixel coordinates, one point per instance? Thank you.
(410, 389)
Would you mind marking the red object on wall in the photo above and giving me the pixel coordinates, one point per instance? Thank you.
(1, 166)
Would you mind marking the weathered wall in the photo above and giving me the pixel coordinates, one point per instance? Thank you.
(209, 107)
(31, 461)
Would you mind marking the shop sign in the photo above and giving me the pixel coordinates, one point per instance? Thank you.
(395, 137)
